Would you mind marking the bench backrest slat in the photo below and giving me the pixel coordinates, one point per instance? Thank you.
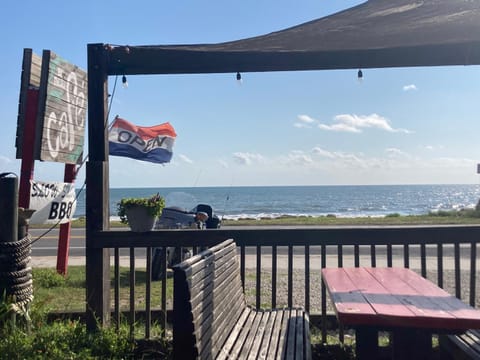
(208, 300)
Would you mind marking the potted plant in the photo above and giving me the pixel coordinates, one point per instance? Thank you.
(140, 213)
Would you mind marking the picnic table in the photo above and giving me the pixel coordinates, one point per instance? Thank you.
(397, 300)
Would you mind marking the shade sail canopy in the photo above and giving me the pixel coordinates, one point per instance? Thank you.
(375, 34)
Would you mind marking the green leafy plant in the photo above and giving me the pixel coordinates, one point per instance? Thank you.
(153, 204)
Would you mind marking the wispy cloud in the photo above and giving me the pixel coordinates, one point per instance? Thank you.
(356, 124)
(245, 158)
(410, 87)
(304, 121)
(185, 159)
(394, 152)
(297, 157)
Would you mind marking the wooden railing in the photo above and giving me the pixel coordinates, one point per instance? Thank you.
(277, 263)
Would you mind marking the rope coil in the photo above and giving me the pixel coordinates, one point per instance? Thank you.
(15, 271)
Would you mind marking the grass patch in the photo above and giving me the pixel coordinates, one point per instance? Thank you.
(462, 217)
(57, 293)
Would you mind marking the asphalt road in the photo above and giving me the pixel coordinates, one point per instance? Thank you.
(47, 245)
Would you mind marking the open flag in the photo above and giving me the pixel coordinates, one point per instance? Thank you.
(153, 144)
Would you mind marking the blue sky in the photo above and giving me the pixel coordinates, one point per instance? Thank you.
(397, 126)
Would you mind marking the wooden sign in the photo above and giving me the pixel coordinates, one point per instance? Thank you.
(61, 111)
(31, 70)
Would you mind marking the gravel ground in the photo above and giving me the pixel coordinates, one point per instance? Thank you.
(298, 295)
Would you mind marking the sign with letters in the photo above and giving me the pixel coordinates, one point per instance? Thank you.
(61, 111)
(53, 202)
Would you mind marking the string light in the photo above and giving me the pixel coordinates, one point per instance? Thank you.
(360, 75)
(239, 77)
(124, 82)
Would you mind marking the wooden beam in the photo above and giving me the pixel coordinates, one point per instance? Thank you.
(97, 195)
(135, 60)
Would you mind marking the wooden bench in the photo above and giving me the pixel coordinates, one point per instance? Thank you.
(463, 346)
(211, 319)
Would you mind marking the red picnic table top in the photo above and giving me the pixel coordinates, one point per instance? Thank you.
(395, 297)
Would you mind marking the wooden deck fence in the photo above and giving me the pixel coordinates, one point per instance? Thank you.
(272, 259)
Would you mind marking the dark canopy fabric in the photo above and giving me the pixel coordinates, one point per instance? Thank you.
(375, 34)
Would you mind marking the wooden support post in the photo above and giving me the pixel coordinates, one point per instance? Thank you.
(28, 162)
(64, 236)
(8, 208)
(97, 195)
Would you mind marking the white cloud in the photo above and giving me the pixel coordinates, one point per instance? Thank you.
(297, 157)
(356, 123)
(185, 159)
(394, 152)
(304, 121)
(247, 158)
(433, 147)
(324, 153)
(339, 127)
(410, 87)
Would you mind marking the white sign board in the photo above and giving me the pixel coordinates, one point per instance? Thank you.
(53, 202)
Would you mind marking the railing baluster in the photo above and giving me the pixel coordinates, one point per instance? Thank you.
(389, 255)
(373, 256)
(440, 265)
(148, 293)
(458, 290)
(163, 278)
(132, 292)
(290, 275)
(473, 271)
(242, 265)
(258, 279)
(340, 255)
(423, 260)
(406, 256)
(274, 276)
(307, 278)
(323, 264)
(356, 251)
(117, 287)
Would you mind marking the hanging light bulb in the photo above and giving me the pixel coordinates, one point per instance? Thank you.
(239, 77)
(360, 75)
(124, 82)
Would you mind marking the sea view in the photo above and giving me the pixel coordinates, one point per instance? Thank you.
(276, 201)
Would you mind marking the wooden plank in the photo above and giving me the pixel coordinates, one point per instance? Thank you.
(252, 332)
(350, 305)
(306, 338)
(238, 347)
(374, 293)
(267, 338)
(282, 337)
(233, 336)
(440, 309)
(258, 334)
(300, 335)
(273, 347)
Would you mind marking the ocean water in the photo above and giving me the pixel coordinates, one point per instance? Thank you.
(275, 201)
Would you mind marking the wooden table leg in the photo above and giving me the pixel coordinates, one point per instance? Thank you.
(411, 344)
(366, 342)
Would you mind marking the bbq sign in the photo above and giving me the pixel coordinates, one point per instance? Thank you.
(60, 125)
(53, 202)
